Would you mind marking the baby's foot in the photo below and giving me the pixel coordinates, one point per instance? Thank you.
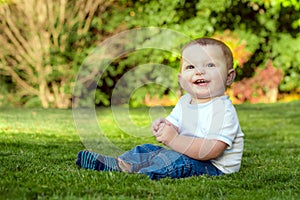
(90, 160)
(86, 159)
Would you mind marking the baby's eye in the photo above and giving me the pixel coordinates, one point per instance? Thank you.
(210, 65)
(190, 67)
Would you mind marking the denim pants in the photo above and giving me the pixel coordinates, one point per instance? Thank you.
(158, 162)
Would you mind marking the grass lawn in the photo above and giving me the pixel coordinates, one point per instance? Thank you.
(38, 149)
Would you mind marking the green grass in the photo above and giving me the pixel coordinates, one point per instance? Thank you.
(38, 150)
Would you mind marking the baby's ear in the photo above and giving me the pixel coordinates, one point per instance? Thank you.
(179, 77)
(230, 77)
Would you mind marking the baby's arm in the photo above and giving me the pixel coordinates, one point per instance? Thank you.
(197, 148)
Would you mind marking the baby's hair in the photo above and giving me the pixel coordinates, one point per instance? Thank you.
(210, 41)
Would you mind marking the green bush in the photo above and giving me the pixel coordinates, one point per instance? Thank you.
(285, 53)
(45, 73)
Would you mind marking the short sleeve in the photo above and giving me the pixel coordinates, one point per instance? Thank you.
(175, 117)
(224, 125)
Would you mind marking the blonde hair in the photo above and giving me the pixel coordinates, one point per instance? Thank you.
(210, 41)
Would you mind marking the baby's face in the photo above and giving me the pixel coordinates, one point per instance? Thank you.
(204, 72)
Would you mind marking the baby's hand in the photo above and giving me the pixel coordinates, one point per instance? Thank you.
(161, 126)
(157, 125)
(166, 133)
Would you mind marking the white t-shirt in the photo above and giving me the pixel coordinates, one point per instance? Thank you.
(216, 119)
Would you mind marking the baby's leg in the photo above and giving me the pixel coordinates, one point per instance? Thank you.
(169, 163)
(130, 161)
(138, 157)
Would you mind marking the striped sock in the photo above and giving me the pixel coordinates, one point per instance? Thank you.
(90, 160)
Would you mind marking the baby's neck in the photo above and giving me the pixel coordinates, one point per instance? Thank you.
(202, 100)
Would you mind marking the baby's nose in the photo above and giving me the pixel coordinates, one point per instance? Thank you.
(199, 71)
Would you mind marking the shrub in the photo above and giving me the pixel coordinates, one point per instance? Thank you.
(262, 87)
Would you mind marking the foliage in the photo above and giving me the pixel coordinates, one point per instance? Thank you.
(284, 54)
(242, 45)
(42, 45)
(5, 96)
(4, 1)
(256, 31)
(41, 52)
(38, 153)
(263, 87)
(272, 25)
(145, 76)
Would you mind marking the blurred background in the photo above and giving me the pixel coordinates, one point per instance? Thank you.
(43, 44)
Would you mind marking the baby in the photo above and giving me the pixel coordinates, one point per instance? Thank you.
(202, 134)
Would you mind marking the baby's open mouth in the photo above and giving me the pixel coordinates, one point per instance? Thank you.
(201, 82)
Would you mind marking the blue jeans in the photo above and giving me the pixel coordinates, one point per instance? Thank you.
(158, 162)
